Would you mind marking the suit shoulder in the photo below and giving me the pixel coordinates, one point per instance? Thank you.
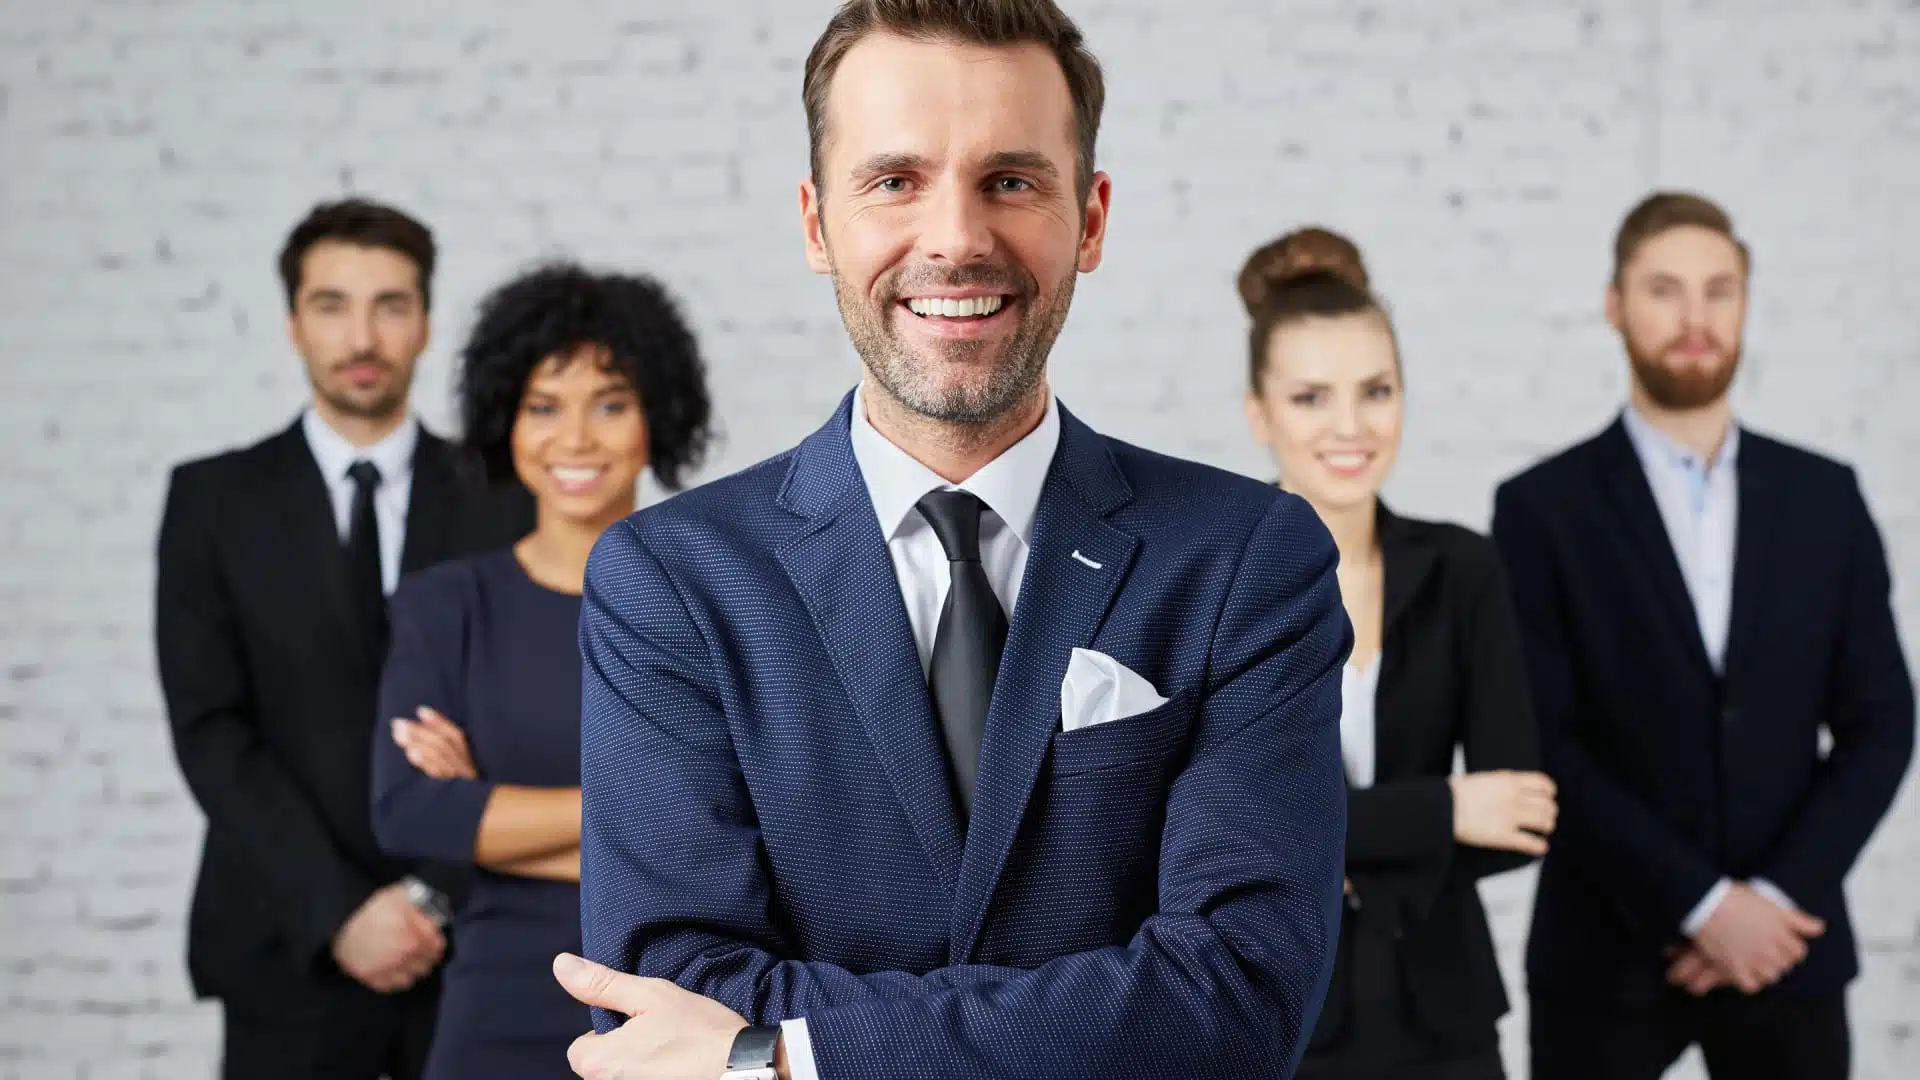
(1464, 552)
(725, 499)
(1793, 460)
(1557, 472)
(1153, 474)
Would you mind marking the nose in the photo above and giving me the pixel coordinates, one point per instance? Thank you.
(955, 228)
(360, 336)
(577, 433)
(1346, 418)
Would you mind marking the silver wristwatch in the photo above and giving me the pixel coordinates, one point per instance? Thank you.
(754, 1050)
(431, 901)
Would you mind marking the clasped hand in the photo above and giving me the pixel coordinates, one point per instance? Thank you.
(1749, 943)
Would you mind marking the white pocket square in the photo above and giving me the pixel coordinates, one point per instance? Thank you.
(1099, 689)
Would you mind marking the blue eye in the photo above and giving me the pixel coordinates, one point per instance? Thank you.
(1011, 185)
(893, 184)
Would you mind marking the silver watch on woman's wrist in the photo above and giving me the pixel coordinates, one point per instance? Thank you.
(754, 1051)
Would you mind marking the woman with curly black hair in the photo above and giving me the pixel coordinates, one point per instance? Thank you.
(573, 383)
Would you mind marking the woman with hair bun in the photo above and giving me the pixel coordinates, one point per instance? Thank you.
(572, 383)
(1436, 668)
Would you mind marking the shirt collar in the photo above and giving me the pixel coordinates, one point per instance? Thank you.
(393, 455)
(1656, 448)
(1009, 484)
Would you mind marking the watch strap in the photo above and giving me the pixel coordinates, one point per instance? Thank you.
(754, 1048)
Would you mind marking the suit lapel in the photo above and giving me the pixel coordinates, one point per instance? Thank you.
(1626, 482)
(840, 567)
(311, 536)
(1075, 565)
(1762, 506)
(1406, 564)
(431, 504)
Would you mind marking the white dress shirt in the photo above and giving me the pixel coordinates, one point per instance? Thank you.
(1010, 486)
(1358, 687)
(1699, 504)
(393, 456)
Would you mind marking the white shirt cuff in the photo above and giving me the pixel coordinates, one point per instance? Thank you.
(1772, 892)
(1703, 910)
(799, 1049)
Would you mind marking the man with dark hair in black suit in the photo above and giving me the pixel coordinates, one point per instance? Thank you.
(274, 566)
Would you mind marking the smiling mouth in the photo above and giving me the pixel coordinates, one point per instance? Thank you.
(1347, 463)
(574, 479)
(971, 307)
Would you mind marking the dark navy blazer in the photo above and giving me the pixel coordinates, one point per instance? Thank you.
(767, 815)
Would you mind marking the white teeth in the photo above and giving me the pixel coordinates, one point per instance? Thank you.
(1345, 461)
(954, 309)
(573, 476)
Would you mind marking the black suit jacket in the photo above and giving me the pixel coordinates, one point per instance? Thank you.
(1671, 775)
(1451, 676)
(270, 689)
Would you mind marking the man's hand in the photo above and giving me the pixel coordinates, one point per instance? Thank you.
(1692, 970)
(1754, 941)
(435, 745)
(388, 944)
(1504, 810)
(672, 1034)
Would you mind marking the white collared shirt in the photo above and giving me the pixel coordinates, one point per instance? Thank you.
(393, 456)
(1010, 486)
(1358, 687)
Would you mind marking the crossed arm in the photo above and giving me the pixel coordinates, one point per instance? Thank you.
(1225, 978)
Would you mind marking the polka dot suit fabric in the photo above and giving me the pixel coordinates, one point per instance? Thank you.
(767, 814)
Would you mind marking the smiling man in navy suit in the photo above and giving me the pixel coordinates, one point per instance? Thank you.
(961, 740)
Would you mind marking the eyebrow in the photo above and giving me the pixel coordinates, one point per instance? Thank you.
(392, 294)
(1026, 160)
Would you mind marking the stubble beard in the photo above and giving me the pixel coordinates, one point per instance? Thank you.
(909, 378)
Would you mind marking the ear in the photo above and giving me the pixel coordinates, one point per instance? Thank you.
(1613, 306)
(293, 330)
(1093, 234)
(1257, 418)
(814, 231)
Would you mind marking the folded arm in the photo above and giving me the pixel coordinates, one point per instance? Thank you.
(1227, 975)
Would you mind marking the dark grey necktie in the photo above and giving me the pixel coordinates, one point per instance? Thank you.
(966, 647)
(364, 582)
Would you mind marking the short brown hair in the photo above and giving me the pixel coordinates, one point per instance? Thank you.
(978, 22)
(1665, 210)
(363, 223)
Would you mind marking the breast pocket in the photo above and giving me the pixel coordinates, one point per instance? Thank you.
(1148, 736)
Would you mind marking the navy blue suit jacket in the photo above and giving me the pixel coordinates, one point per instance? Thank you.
(1670, 774)
(768, 820)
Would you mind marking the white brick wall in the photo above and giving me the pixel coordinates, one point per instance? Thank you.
(154, 152)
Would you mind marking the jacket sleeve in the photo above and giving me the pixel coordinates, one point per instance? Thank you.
(1871, 720)
(414, 814)
(1402, 833)
(1655, 875)
(1225, 979)
(249, 798)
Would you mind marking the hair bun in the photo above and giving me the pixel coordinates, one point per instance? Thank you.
(1299, 254)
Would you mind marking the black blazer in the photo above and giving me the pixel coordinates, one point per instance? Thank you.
(1670, 775)
(270, 692)
(1451, 675)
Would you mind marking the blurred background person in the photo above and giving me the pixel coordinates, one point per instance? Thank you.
(572, 383)
(270, 620)
(1700, 603)
(1436, 667)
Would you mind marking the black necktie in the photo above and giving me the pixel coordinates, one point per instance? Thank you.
(966, 647)
(363, 558)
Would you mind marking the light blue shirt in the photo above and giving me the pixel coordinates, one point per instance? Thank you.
(1699, 504)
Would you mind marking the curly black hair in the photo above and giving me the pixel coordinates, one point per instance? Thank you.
(556, 309)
